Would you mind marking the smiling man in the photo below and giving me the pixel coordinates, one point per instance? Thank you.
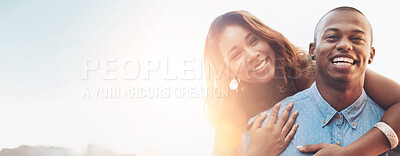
(342, 48)
(336, 109)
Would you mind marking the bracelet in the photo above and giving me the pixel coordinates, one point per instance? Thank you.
(389, 132)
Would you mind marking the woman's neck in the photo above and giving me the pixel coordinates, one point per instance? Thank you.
(263, 96)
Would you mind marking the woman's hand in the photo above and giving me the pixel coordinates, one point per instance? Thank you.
(273, 137)
(323, 149)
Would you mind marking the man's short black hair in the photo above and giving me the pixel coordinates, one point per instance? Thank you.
(342, 8)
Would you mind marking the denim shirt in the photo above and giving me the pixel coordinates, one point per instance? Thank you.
(320, 123)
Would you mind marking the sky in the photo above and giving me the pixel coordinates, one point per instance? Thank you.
(67, 67)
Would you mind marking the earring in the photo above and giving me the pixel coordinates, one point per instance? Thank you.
(234, 84)
(369, 61)
(312, 57)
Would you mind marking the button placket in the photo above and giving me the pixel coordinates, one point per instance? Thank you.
(339, 119)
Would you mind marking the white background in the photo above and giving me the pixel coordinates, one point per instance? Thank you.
(44, 45)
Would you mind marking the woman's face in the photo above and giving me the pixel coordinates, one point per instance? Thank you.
(247, 56)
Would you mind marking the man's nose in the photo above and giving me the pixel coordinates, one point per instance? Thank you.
(344, 45)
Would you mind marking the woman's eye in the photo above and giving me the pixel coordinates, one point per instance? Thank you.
(235, 55)
(253, 40)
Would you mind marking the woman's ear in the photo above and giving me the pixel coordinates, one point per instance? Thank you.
(371, 55)
(311, 49)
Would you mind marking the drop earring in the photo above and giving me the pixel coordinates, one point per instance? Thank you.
(234, 84)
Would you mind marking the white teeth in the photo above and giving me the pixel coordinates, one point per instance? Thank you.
(259, 67)
(343, 60)
(342, 64)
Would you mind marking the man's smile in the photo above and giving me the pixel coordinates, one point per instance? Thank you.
(343, 62)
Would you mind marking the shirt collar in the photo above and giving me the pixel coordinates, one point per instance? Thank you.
(328, 112)
(352, 112)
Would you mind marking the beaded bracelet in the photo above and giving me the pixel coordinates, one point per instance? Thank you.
(389, 132)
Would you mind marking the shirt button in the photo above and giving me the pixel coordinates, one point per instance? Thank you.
(339, 117)
(352, 124)
(323, 122)
(337, 143)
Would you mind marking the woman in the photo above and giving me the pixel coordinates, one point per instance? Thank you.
(261, 67)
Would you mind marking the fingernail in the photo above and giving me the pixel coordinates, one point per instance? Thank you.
(299, 147)
(278, 104)
(296, 112)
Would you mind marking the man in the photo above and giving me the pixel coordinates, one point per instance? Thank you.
(335, 109)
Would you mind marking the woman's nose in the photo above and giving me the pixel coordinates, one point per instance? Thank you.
(252, 55)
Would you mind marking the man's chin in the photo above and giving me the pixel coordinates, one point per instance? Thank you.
(344, 78)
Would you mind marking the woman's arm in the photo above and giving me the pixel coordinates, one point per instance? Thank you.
(386, 93)
(382, 90)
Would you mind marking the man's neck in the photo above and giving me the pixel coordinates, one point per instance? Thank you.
(340, 95)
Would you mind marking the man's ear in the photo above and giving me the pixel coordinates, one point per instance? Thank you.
(371, 55)
(311, 49)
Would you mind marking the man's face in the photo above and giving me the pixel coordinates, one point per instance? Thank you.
(343, 46)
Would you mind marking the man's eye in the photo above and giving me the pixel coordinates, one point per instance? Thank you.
(332, 37)
(357, 38)
(253, 40)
